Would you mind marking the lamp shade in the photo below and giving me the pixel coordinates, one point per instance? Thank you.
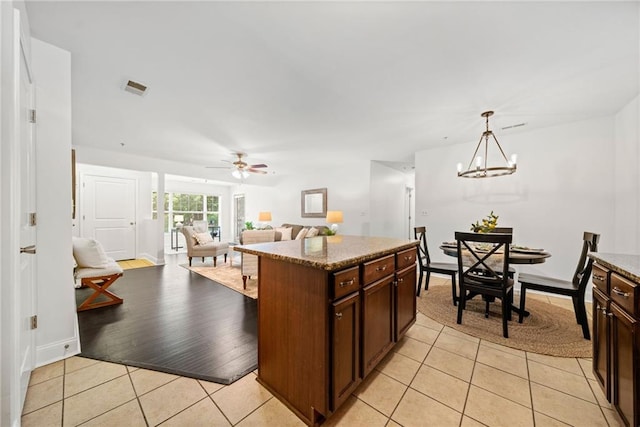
(264, 216)
(178, 218)
(334, 217)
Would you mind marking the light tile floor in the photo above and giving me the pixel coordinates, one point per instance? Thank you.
(435, 376)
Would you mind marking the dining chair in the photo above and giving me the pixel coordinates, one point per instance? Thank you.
(427, 267)
(574, 288)
(481, 271)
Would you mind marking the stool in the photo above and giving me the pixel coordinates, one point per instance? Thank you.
(99, 279)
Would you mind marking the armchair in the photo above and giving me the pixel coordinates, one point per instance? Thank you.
(201, 244)
(250, 262)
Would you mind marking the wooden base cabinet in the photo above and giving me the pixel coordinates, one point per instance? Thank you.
(320, 332)
(601, 338)
(625, 346)
(616, 341)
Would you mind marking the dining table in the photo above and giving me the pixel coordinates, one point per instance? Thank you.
(517, 255)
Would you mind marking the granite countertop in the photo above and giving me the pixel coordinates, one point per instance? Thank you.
(625, 265)
(329, 252)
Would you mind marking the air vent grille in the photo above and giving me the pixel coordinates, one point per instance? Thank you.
(135, 88)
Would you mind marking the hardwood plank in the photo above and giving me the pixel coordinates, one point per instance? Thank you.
(175, 321)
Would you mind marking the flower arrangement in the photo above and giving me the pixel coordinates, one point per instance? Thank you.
(487, 225)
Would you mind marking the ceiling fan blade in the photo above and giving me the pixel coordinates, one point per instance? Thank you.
(261, 165)
(256, 171)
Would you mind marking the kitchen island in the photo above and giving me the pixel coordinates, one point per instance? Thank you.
(329, 309)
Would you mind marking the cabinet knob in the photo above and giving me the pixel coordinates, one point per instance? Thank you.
(339, 316)
(620, 292)
(383, 268)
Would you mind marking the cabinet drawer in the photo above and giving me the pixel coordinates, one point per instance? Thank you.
(405, 258)
(599, 278)
(625, 293)
(345, 282)
(376, 270)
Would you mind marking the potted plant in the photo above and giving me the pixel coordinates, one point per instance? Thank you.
(487, 225)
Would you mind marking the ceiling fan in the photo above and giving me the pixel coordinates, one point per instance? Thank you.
(241, 169)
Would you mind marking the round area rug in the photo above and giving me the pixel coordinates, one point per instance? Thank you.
(548, 330)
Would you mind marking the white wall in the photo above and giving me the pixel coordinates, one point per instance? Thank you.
(347, 190)
(389, 202)
(57, 321)
(627, 179)
(564, 186)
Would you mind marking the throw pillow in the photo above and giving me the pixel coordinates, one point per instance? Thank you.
(285, 232)
(301, 235)
(312, 232)
(202, 238)
(89, 253)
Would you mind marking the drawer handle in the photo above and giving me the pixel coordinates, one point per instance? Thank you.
(408, 258)
(618, 291)
(383, 268)
(598, 277)
(400, 280)
(347, 283)
(339, 316)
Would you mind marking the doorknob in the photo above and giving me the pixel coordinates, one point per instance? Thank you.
(132, 223)
(31, 249)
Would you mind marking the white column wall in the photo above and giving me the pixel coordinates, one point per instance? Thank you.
(627, 179)
(389, 209)
(57, 333)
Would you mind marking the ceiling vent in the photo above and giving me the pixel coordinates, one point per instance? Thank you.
(513, 126)
(135, 88)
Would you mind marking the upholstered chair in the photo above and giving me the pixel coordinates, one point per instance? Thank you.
(250, 262)
(201, 244)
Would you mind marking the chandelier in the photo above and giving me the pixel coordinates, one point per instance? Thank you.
(477, 167)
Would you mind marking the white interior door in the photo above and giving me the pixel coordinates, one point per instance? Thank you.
(27, 196)
(109, 214)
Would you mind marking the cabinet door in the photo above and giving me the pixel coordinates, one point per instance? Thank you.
(377, 322)
(405, 300)
(345, 358)
(601, 343)
(624, 362)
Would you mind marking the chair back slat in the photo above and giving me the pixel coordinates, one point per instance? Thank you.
(583, 269)
(420, 233)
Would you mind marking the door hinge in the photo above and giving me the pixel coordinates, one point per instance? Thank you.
(32, 116)
(34, 322)
(32, 219)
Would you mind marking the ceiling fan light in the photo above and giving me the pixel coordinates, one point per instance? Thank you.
(245, 174)
(236, 174)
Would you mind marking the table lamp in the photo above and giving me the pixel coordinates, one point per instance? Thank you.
(178, 220)
(334, 218)
(264, 216)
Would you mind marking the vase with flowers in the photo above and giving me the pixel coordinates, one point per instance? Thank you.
(486, 225)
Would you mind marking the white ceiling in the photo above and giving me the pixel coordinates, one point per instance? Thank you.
(301, 84)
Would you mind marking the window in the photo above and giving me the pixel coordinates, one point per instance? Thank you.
(185, 208)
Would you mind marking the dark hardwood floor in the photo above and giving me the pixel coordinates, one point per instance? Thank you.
(175, 321)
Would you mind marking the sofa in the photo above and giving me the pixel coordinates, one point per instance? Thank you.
(295, 231)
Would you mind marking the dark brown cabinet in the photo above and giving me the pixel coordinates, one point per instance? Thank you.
(601, 341)
(616, 341)
(321, 331)
(345, 351)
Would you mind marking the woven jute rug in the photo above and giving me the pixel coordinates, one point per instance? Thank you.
(229, 276)
(550, 329)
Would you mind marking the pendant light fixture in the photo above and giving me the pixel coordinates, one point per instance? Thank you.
(478, 167)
